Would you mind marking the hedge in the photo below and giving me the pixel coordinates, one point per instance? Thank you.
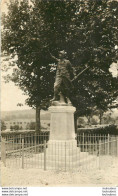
(108, 129)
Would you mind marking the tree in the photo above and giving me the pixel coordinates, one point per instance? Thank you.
(11, 128)
(87, 30)
(3, 126)
(32, 73)
(15, 127)
(97, 49)
(32, 126)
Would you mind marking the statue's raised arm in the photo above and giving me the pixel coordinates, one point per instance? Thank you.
(54, 57)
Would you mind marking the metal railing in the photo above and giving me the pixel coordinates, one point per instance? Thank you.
(108, 143)
(35, 151)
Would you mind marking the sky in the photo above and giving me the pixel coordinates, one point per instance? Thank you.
(3, 5)
(11, 95)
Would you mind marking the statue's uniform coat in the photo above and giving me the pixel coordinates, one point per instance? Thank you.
(64, 74)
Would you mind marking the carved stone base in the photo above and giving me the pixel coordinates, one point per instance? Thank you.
(62, 146)
(62, 123)
(62, 155)
(58, 103)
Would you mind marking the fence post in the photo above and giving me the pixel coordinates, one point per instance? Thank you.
(65, 155)
(108, 143)
(35, 141)
(86, 146)
(99, 153)
(44, 154)
(20, 144)
(117, 146)
(22, 153)
(13, 143)
(96, 148)
(83, 142)
(3, 151)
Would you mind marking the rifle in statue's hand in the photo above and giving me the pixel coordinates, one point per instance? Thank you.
(76, 77)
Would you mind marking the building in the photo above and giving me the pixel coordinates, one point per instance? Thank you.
(22, 123)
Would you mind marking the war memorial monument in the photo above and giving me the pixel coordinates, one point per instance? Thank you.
(62, 131)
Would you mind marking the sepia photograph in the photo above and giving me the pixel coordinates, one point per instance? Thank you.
(59, 93)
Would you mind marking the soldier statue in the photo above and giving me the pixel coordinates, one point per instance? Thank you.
(64, 81)
(63, 85)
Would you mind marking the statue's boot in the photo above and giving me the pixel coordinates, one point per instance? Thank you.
(69, 101)
(62, 100)
(55, 98)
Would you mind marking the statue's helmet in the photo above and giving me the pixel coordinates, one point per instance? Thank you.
(63, 52)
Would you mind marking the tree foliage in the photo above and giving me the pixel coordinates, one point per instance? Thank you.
(87, 30)
(3, 126)
(31, 126)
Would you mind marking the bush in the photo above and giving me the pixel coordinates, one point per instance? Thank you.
(108, 129)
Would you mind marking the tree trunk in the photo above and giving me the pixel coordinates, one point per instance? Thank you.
(101, 114)
(75, 122)
(89, 120)
(38, 124)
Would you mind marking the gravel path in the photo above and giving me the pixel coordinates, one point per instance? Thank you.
(37, 177)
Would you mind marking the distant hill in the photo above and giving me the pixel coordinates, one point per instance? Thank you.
(23, 114)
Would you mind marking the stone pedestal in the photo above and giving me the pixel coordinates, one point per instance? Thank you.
(62, 146)
(62, 123)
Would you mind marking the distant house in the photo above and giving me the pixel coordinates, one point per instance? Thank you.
(23, 120)
(22, 123)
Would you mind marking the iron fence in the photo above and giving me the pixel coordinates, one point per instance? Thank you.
(36, 151)
(108, 143)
